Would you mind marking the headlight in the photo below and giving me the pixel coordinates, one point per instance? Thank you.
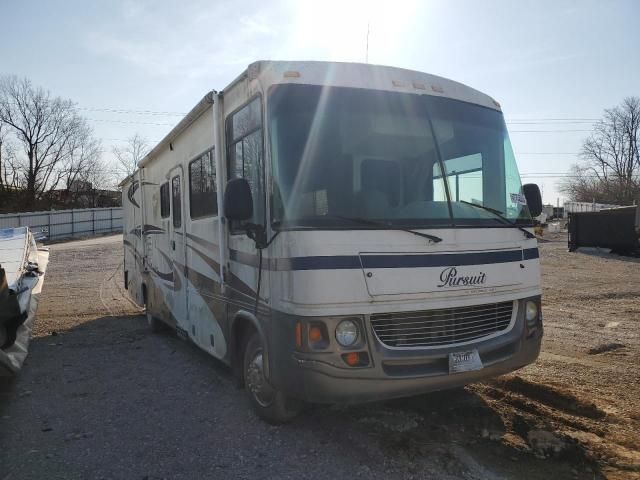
(531, 311)
(347, 333)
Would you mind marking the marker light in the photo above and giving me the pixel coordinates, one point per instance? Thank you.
(346, 333)
(298, 334)
(315, 334)
(352, 359)
(291, 74)
(356, 359)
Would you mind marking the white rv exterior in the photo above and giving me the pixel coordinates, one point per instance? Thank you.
(341, 160)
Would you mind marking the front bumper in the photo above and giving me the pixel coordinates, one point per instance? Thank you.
(393, 373)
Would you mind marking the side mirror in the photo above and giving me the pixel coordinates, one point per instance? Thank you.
(238, 201)
(534, 199)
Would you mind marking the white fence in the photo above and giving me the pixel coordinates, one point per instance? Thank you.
(66, 223)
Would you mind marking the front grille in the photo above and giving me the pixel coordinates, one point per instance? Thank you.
(445, 326)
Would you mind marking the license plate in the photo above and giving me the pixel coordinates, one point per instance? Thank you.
(467, 361)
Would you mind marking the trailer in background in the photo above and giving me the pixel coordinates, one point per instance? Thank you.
(614, 228)
(579, 207)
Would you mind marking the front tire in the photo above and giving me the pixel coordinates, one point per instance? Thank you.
(270, 404)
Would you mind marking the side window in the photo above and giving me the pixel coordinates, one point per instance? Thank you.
(164, 200)
(203, 201)
(175, 202)
(244, 155)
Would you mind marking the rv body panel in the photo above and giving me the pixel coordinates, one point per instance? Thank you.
(331, 273)
(181, 268)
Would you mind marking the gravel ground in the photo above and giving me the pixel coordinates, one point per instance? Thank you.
(101, 398)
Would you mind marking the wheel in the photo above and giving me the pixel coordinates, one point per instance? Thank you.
(270, 404)
(155, 324)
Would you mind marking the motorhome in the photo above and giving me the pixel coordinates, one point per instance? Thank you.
(339, 233)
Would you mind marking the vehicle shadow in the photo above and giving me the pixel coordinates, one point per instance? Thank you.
(606, 254)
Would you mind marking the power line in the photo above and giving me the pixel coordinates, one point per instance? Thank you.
(126, 140)
(547, 131)
(129, 122)
(132, 112)
(536, 122)
(566, 119)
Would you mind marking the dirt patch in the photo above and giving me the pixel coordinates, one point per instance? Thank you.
(587, 397)
(605, 347)
(555, 397)
(94, 373)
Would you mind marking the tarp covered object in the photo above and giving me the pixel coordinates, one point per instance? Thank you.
(22, 268)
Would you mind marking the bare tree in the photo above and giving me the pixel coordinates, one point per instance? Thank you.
(45, 126)
(99, 177)
(84, 152)
(3, 135)
(610, 171)
(9, 171)
(129, 155)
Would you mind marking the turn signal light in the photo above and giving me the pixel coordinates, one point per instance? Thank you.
(318, 336)
(356, 359)
(315, 334)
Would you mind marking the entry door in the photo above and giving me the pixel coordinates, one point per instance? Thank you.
(177, 252)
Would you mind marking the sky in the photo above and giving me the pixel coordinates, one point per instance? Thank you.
(554, 66)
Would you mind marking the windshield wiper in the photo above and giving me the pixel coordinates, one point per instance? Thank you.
(389, 226)
(501, 216)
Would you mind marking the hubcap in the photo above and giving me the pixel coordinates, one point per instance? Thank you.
(256, 383)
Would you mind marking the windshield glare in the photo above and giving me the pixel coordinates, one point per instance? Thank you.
(402, 159)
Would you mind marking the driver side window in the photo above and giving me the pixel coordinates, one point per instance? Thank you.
(245, 157)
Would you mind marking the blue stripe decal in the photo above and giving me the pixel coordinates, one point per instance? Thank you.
(351, 262)
(340, 262)
(443, 260)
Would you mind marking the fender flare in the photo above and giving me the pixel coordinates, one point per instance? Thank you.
(236, 362)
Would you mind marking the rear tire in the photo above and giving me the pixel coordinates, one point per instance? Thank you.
(270, 404)
(155, 324)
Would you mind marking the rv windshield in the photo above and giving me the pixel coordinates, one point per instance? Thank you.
(400, 159)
